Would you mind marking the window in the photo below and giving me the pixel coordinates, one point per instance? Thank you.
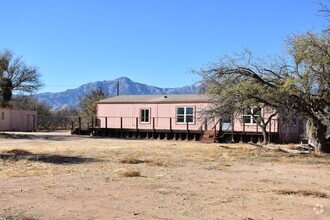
(226, 118)
(185, 114)
(248, 114)
(145, 115)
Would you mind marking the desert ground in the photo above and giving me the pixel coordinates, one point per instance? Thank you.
(59, 176)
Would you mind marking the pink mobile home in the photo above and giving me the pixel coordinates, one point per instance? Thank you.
(175, 117)
(17, 120)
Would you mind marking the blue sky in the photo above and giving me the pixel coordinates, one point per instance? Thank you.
(156, 42)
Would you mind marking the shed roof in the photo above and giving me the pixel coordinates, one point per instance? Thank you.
(166, 98)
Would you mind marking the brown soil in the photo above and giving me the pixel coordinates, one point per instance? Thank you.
(59, 176)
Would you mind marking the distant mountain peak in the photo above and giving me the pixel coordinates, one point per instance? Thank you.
(71, 97)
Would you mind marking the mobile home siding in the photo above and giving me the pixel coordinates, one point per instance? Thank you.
(160, 115)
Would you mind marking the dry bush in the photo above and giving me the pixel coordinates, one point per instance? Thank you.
(130, 173)
(132, 160)
(313, 193)
(18, 152)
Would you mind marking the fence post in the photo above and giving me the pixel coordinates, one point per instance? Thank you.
(79, 125)
(72, 125)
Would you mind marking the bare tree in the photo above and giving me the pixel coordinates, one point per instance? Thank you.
(88, 104)
(15, 75)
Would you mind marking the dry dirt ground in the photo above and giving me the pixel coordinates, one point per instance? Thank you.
(59, 176)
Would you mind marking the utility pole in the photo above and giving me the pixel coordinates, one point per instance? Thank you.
(117, 88)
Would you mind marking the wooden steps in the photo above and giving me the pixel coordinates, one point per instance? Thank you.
(208, 137)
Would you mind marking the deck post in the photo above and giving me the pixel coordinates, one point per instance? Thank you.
(136, 127)
(79, 125)
(92, 123)
(171, 125)
(244, 133)
(270, 131)
(220, 125)
(257, 128)
(137, 123)
(215, 132)
(187, 134)
(153, 127)
(106, 122)
(205, 124)
(121, 127)
(244, 125)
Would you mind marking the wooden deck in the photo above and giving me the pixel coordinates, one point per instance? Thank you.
(140, 133)
(214, 132)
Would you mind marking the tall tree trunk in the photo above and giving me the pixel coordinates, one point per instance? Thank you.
(317, 136)
(264, 135)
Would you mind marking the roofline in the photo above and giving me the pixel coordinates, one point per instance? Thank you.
(171, 102)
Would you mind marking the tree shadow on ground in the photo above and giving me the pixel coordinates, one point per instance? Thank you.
(38, 136)
(45, 158)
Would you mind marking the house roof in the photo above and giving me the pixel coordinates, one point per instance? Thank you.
(166, 98)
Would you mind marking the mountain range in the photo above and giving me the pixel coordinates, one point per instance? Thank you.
(71, 97)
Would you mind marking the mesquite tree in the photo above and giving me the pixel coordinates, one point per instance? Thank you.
(299, 82)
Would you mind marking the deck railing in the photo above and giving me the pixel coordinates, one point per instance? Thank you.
(170, 124)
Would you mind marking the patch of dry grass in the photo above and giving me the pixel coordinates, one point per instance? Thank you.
(157, 162)
(13, 168)
(152, 161)
(312, 193)
(248, 153)
(132, 160)
(130, 173)
(124, 153)
(18, 152)
(16, 215)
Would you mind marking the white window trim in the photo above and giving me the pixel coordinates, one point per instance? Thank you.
(145, 122)
(185, 115)
(252, 121)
